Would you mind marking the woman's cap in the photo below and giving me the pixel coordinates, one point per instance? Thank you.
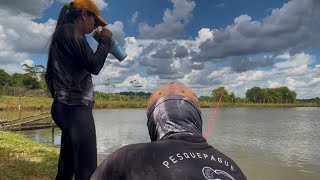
(170, 89)
(90, 6)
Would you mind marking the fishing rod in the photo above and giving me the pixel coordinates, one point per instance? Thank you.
(213, 116)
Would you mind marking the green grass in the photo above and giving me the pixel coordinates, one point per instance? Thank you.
(24, 159)
(12, 102)
(41, 103)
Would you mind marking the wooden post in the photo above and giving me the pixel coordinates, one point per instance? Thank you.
(20, 113)
(52, 130)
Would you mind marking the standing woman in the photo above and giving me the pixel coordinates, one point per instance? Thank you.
(71, 62)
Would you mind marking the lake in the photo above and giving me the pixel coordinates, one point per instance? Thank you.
(267, 143)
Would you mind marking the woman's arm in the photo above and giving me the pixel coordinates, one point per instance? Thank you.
(79, 49)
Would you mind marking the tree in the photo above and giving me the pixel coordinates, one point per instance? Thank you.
(232, 97)
(5, 78)
(33, 70)
(254, 94)
(216, 93)
(30, 82)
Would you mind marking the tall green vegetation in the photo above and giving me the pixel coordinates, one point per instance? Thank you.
(31, 82)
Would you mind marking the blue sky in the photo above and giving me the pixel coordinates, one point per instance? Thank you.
(203, 44)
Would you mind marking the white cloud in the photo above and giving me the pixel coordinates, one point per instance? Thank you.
(295, 60)
(317, 69)
(219, 73)
(21, 37)
(314, 81)
(173, 21)
(12, 68)
(242, 18)
(101, 4)
(203, 35)
(21, 34)
(285, 55)
(249, 76)
(297, 71)
(117, 31)
(132, 48)
(274, 84)
(291, 83)
(27, 62)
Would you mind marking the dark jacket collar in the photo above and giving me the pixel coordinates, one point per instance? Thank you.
(186, 137)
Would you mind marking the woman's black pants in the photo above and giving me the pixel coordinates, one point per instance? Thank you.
(78, 150)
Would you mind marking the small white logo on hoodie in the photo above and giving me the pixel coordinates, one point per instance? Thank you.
(211, 174)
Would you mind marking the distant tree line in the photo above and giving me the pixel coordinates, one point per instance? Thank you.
(254, 95)
(130, 93)
(274, 95)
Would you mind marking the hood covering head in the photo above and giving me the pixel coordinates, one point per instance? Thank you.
(173, 114)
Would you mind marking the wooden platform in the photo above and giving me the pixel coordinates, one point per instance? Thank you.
(27, 123)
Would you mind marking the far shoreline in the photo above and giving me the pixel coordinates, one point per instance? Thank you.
(8, 103)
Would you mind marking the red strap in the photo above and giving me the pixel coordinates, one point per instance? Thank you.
(212, 118)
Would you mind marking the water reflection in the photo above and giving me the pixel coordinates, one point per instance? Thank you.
(120, 127)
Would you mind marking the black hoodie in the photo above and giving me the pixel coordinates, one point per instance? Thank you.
(178, 150)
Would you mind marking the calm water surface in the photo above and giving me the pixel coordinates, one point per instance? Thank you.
(267, 143)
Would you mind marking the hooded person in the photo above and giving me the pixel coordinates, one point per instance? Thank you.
(177, 151)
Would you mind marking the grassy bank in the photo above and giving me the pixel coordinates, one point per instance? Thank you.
(32, 103)
(24, 159)
(40, 103)
(212, 104)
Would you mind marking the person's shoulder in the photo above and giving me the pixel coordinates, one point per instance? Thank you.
(134, 150)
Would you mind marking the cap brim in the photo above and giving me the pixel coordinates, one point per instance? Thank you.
(101, 22)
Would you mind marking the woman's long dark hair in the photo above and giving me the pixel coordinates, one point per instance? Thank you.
(67, 15)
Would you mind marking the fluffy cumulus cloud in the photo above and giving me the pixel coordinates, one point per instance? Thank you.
(203, 35)
(20, 35)
(294, 26)
(117, 31)
(173, 21)
(132, 48)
